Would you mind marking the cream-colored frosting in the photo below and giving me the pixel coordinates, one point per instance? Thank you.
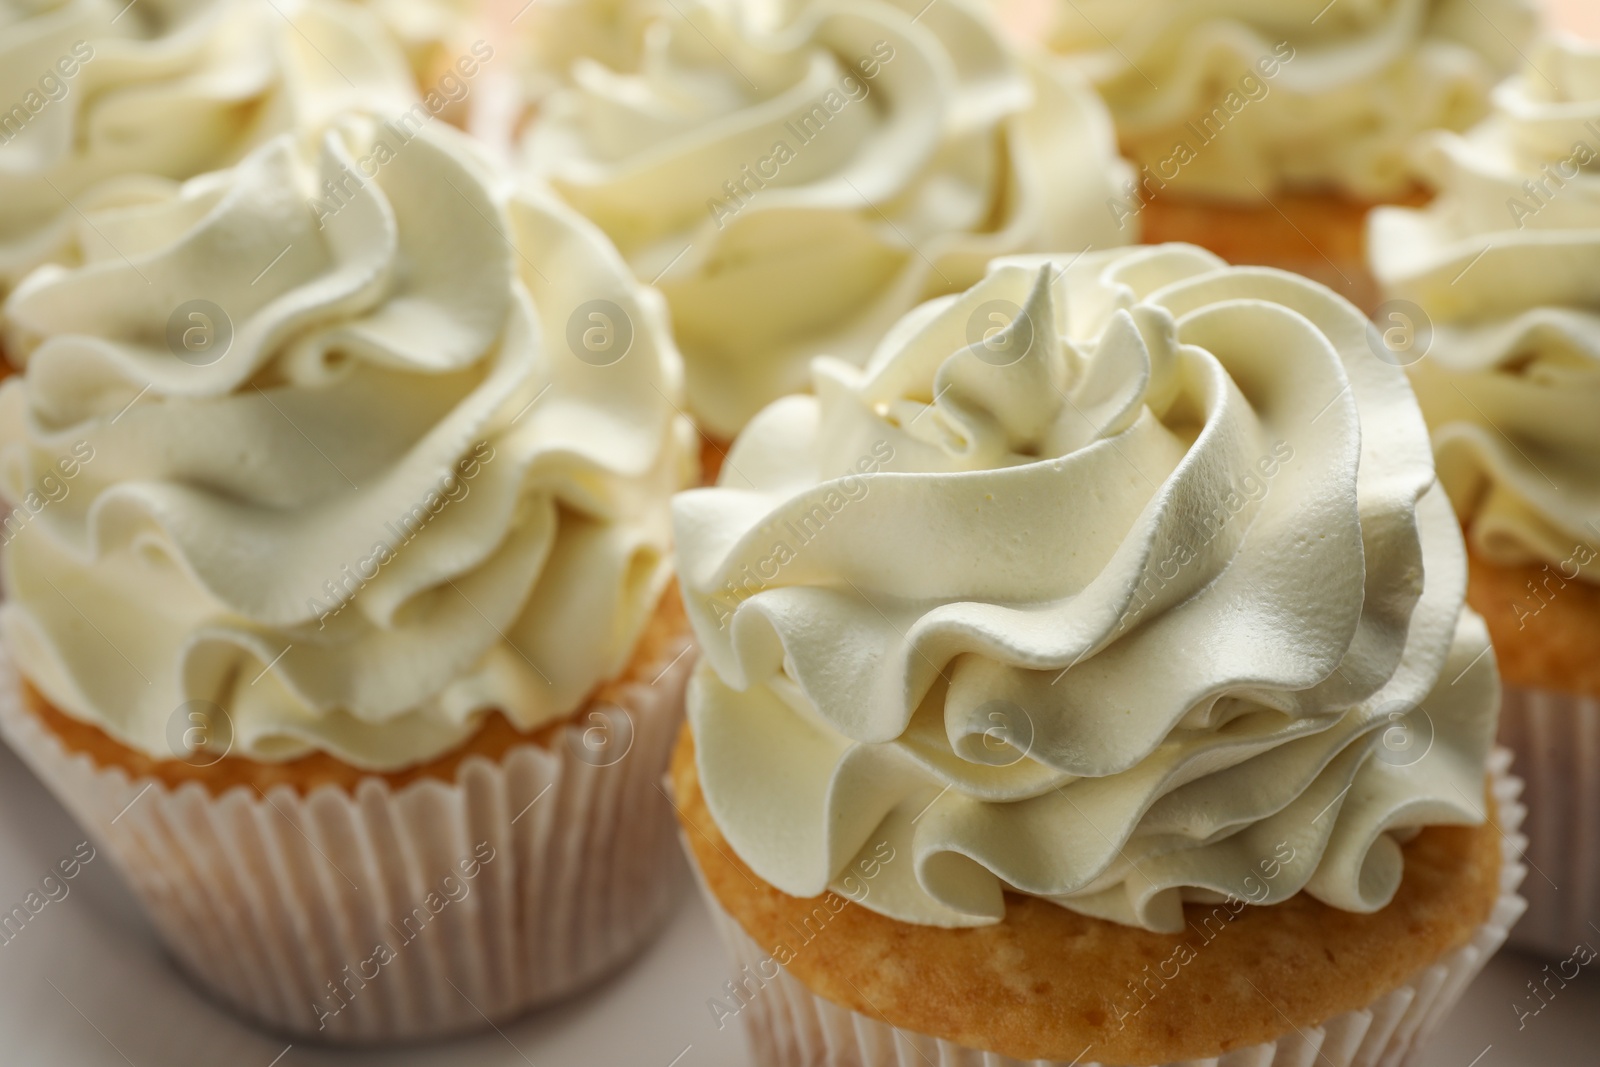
(1132, 617)
(434, 33)
(1507, 274)
(556, 37)
(160, 91)
(1300, 92)
(398, 499)
(929, 149)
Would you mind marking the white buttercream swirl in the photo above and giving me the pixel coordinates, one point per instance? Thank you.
(1133, 618)
(117, 100)
(1299, 92)
(938, 149)
(1505, 264)
(400, 498)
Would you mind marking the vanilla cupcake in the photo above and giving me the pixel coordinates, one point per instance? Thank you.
(795, 182)
(1097, 673)
(344, 620)
(1263, 132)
(1495, 293)
(109, 103)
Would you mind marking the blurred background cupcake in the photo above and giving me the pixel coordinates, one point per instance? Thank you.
(339, 578)
(795, 177)
(1265, 131)
(1494, 289)
(116, 102)
(1067, 690)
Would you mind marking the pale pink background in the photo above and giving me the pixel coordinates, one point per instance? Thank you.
(1580, 16)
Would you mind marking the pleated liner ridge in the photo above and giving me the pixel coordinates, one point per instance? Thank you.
(1556, 737)
(278, 903)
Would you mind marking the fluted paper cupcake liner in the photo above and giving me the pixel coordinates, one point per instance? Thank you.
(789, 1026)
(398, 913)
(1556, 737)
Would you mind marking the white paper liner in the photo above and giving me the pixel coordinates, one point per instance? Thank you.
(789, 1026)
(1556, 737)
(266, 898)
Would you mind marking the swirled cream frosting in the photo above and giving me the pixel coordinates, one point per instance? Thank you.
(1239, 97)
(556, 38)
(341, 447)
(796, 180)
(1122, 580)
(1503, 272)
(434, 33)
(105, 103)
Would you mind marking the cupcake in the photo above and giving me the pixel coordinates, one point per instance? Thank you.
(794, 184)
(344, 621)
(1264, 132)
(114, 102)
(1066, 692)
(1494, 293)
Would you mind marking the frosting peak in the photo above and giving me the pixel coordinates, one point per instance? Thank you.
(1101, 581)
